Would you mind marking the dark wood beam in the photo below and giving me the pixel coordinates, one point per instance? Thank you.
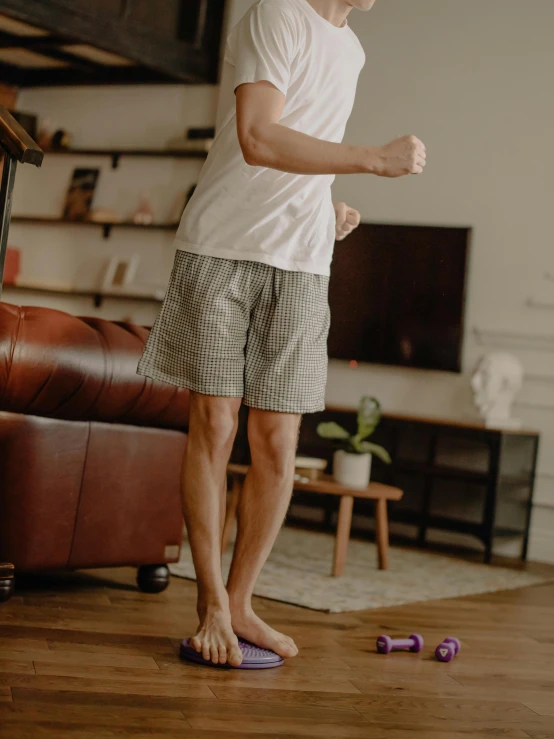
(102, 76)
(11, 75)
(181, 61)
(78, 63)
(11, 41)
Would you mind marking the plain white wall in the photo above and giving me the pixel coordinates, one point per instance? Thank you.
(473, 80)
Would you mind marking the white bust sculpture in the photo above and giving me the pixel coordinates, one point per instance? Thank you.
(497, 380)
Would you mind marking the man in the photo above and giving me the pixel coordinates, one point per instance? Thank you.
(246, 316)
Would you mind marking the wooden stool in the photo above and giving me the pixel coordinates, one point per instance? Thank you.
(327, 486)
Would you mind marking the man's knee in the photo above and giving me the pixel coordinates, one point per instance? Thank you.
(273, 441)
(214, 419)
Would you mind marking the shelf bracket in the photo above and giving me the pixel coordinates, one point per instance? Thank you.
(116, 156)
(97, 300)
(107, 229)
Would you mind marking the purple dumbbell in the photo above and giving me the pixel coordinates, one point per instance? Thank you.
(448, 649)
(385, 644)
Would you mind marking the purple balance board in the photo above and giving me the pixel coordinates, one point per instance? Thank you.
(253, 658)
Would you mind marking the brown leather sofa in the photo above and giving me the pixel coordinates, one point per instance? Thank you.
(90, 452)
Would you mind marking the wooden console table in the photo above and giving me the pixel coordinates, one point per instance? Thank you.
(325, 485)
(457, 475)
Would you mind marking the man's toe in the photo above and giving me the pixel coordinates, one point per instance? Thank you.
(235, 657)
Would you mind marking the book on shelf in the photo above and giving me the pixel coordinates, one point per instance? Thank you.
(80, 194)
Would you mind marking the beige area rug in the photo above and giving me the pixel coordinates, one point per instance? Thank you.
(298, 572)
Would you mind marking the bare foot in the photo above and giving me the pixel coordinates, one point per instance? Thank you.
(251, 627)
(215, 639)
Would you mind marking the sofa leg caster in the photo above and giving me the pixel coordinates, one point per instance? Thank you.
(7, 582)
(152, 578)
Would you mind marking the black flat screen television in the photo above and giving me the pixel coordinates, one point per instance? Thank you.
(397, 296)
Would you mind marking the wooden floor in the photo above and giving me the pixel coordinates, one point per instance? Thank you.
(90, 657)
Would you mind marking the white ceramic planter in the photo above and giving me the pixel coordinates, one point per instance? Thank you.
(352, 469)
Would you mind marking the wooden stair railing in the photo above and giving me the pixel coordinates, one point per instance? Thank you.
(17, 146)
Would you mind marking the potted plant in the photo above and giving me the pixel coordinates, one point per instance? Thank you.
(352, 460)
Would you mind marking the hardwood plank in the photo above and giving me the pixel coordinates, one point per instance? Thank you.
(146, 686)
(17, 644)
(82, 658)
(529, 682)
(5, 694)
(157, 653)
(382, 705)
(28, 713)
(15, 666)
(67, 600)
(71, 635)
(543, 705)
(300, 727)
(189, 706)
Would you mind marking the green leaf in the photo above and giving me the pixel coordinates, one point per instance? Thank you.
(369, 415)
(332, 430)
(378, 451)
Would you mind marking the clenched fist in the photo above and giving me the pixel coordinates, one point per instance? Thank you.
(403, 155)
(347, 220)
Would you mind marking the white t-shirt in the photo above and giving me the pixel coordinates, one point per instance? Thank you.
(256, 213)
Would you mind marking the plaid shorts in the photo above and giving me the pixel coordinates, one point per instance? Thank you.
(242, 329)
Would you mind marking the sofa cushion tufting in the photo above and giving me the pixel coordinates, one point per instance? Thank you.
(75, 368)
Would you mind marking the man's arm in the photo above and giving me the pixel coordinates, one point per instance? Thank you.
(265, 142)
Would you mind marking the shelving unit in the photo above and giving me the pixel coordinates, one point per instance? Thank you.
(116, 154)
(97, 296)
(105, 226)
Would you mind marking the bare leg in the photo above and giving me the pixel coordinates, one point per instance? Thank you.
(212, 428)
(263, 503)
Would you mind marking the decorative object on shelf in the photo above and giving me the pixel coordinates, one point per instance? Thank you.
(12, 266)
(201, 133)
(309, 468)
(104, 215)
(61, 139)
(194, 139)
(80, 194)
(44, 134)
(352, 461)
(200, 138)
(496, 381)
(144, 215)
(120, 273)
(28, 121)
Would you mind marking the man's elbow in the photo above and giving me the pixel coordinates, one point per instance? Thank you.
(253, 148)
